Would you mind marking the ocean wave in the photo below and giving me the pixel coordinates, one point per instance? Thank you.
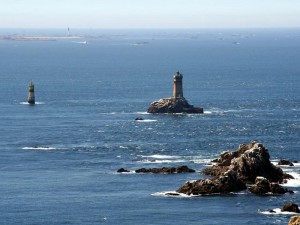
(277, 211)
(293, 182)
(175, 194)
(37, 103)
(145, 121)
(142, 113)
(158, 156)
(41, 148)
(154, 161)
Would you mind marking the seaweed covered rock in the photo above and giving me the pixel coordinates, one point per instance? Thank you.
(173, 105)
(249, 161)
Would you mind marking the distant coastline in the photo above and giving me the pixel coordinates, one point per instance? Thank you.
(36, 38)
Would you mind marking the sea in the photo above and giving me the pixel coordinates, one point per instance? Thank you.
(59, 158)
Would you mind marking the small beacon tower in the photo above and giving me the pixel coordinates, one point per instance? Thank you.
(177, 86)
(31, 98)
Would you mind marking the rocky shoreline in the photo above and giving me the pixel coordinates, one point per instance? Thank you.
(247, 168)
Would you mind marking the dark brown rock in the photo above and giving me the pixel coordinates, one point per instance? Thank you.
(284, 162)
(290, 207)
(249, 161)
(122, 170)
(262, 186)
(166, 170)
(173, 105)
(224, 184)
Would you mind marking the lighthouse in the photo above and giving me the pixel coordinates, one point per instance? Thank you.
(177, 86)
(31, 98)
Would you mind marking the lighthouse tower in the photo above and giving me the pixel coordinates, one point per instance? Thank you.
(177, 86)
(31, 98)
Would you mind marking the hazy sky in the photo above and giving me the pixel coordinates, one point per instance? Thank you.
(149, 13)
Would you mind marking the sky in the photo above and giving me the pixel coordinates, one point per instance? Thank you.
(149, 14)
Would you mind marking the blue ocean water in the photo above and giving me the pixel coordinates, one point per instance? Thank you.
(58, 159)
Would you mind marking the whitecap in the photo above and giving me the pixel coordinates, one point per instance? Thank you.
(158, 156)
(40, 148)
(162, 161)
(172, 194)
(142, 113)
(276, 211)
(124, 147)
(293, 182)
(145, 121)
(36, 103)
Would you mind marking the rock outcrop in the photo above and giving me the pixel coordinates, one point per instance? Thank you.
(249, 161)
(173, 105)
(284, 162)
(226, 183)
(295, 220)
(249, 166)
(290, 207)
(163, 170)
(262, 186)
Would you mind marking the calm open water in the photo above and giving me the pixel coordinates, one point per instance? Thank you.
(58, 159)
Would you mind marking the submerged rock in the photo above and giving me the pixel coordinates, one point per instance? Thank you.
(173, 105)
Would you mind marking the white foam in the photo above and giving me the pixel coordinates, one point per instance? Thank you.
(173, 194)
(277, 211)
(36, 103)
(145, 121)
(124, 147)
(142, 113)
(40, 148)
(157, 156)
(162, 161)
(293, 182)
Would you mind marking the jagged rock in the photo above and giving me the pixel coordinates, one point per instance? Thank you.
(226, 183)
(122, 170)
(173, 105)
(290, 207)
(166, 170)
(249, 161)
(295, 220)
(284, 162)
(263, 186)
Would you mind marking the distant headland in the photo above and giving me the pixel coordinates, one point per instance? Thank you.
(175, 104)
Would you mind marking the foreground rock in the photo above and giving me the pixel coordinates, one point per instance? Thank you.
(226, 183)
(290, 207)
(262, 186)
(249, 165)
(173, 105)
(249, 161)
(295, 220)
(163, 170)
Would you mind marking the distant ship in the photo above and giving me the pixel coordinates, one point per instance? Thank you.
(31, 98)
